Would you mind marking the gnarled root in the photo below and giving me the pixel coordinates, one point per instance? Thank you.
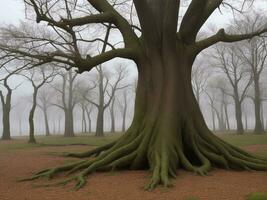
(194, 149)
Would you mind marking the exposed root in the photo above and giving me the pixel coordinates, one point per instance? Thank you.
(194, 150)
(90, 153)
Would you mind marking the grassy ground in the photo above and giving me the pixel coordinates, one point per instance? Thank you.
(21, 142)
(246, 140)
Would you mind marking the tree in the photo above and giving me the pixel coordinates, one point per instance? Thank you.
(38, 77)
(6, 99)
(123, 105)
(106, 92)
(67, 101)
(199, 78)
(44, 104)
(85, 93)
(254, 54)
(6, 106)
(89, 110)
(168, 129)
(223, 87)
(238, 77)
(112, 115)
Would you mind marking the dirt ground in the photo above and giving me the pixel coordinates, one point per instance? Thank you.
(126, 185)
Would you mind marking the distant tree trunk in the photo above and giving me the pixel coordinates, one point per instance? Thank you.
(257, 107)
(47, 129)
(88, 112)
(20, 127)
(84, 124)
(54, 127)
(220, 120)
(125, 106)
(100, 122)
(246, 121)
(213, 119)
(238, 115)
(101, 109)
(31, 117)
(68, 107)
(223, 121)
(6, 106)
(69, 130)
(262, 116)
(226, 117)
(58, 126)
(112, 116)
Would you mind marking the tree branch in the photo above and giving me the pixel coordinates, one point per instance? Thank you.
(195, 17)
(221, 36)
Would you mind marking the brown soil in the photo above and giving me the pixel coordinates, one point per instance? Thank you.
(126, 185)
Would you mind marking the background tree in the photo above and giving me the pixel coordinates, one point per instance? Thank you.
(254, 54)
(38, 77)
(105, 94)
(123, 106)
(6, 98)
(199, 78)
(238, 77)
(89, 109)
(112, 115)
(67, 100)
(44, 104)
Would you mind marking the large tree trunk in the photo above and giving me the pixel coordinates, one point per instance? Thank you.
(168, 129)
(257, 107)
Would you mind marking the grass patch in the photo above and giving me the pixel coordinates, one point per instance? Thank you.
(257, 196)
(244, 140)
(22, 142)
(80, 139)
